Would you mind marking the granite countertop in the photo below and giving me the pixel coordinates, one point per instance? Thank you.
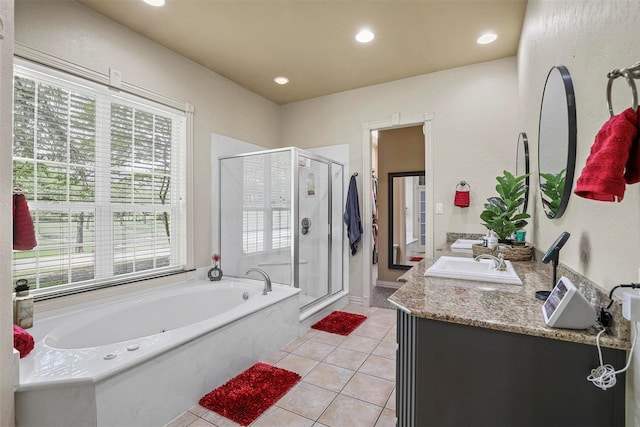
(511, 308)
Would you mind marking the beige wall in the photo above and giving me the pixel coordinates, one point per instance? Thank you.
(590, 37)
(475, 131)
(399, 150)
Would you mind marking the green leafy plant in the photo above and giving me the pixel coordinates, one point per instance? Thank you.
(552, 188)
(502, 214)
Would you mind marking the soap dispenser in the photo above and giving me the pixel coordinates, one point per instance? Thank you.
(23, 305)
(492, 240)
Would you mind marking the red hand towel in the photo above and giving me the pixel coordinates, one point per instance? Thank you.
(24, 236)
(461, 199)
(632, 172)
(22, 341)
(602, 178)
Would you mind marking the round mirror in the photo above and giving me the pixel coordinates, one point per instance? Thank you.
(522, 166)
(557, 142)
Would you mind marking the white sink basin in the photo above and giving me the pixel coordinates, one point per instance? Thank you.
(470, 269)
(464, 245)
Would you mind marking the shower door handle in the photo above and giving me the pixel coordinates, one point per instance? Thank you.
(306, 225)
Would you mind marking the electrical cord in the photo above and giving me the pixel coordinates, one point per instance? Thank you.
(604, 376)
(630, 285)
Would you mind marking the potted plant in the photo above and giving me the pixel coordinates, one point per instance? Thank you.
(502, 214)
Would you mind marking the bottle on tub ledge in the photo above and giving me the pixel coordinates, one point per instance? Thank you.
(23, 305)
(215, 273)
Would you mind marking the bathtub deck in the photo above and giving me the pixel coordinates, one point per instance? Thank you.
(112, 384)
(345, 380)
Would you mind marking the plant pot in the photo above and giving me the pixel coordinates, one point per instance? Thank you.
(511, 253)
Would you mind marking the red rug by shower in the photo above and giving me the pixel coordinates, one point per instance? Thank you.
(415, 258)
(246, 396)
(340, 322)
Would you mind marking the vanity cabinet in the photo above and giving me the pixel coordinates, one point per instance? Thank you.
(451, 374)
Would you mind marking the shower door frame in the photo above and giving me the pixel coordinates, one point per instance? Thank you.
(295, 213)
(295, 249)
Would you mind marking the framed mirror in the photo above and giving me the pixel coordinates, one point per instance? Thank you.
(407, 216)
(522, 166)
(557, 141)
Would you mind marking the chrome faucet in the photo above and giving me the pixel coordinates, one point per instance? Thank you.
(265, 276)
(499, 263)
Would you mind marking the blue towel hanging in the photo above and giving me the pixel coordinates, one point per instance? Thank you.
(351, 216)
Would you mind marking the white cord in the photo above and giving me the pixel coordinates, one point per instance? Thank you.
(604, 376)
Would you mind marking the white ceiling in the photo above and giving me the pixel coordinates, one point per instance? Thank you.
(312, 41)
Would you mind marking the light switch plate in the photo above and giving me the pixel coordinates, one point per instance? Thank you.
(439, 208)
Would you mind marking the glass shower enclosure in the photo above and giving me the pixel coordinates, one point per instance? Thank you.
(281, 211)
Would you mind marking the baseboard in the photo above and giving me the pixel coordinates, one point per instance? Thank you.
(355, 299)
(320, 310)
(311, 316)
(386, 284)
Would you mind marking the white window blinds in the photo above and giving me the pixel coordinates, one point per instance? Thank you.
(104, 176)
(266, 209)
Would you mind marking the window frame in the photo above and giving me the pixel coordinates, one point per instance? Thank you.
(128, 94)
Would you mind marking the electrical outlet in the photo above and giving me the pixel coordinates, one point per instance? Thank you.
(631, 306)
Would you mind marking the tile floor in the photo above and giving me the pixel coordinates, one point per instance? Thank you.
(346, 381)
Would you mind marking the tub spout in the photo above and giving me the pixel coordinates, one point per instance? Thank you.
(265, 276)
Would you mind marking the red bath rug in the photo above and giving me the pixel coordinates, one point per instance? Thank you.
(246, 396)
(415, 258)
(340, 322)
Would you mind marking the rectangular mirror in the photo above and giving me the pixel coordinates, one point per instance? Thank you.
(407, 216)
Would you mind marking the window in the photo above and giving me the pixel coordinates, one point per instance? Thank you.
(266, 200)
(104, 176)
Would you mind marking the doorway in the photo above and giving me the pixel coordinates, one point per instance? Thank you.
(373, 243)
(400, 167)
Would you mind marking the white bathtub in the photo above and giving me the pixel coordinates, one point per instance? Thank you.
(143, 359)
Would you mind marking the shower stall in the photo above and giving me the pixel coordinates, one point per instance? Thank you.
(281, 211)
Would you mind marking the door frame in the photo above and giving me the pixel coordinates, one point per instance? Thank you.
(417, 191)
(426, 120)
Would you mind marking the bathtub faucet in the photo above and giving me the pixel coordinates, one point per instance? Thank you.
(265, 276)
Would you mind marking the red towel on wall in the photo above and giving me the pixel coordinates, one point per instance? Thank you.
(22, 341)
(603, 177)
(24, 236)
(632, 171)
(461, 199)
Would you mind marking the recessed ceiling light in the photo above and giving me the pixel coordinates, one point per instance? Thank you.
(281, 80)
(487, 38)
(365, 36)
(156, 3)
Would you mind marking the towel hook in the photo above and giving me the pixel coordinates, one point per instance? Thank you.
(629, 74)
(461, 185)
